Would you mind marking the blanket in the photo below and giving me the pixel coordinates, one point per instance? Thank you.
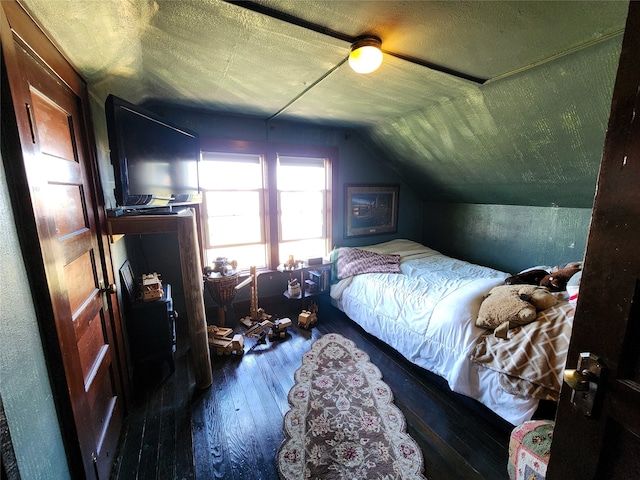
(532, 360)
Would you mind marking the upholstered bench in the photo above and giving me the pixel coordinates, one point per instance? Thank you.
(529, 450)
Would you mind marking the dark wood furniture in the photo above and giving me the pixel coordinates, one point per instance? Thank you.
(151, 328)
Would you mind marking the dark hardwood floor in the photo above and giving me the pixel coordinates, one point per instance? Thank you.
(233, 429)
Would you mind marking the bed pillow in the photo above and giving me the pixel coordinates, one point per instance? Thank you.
(348, 261)
(573, 287)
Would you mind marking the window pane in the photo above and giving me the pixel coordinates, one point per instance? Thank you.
(234, 231)
(233, 218)
(301, 185)
(246, 256)
(301, 202)
(302, 249)
(230, 204)
(230, 171)
(299, 227)
(301, 173)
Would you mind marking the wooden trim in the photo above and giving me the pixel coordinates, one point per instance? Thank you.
(185, 225)
(41, 45)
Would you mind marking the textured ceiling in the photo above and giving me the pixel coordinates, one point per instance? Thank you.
(536, 124)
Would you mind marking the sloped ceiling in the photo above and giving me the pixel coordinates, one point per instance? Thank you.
(529, 129)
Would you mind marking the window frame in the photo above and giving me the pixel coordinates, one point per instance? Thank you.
(269, 152)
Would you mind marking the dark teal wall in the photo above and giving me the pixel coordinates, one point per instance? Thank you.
(506, 237)
(24, 379)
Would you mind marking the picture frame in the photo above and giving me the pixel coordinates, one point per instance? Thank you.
(370, 209)
(128, 279)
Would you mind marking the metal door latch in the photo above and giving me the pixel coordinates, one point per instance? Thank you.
(585, 382)
(106, 290)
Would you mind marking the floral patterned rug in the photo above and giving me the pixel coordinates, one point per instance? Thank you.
(342, 423)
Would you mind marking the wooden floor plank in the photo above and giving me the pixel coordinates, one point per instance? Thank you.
(234, 428)
(184, 393)
(210, 449)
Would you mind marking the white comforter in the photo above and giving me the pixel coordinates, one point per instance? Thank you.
(428, 315)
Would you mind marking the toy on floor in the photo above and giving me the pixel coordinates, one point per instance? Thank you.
(267, 328)
(256, 315)
(279, 328)
(227, 346)
(218, 337)
(218, 332)
(308, 318)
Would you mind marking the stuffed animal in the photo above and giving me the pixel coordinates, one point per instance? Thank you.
(510, 306)
(529, 277)
(557, 281)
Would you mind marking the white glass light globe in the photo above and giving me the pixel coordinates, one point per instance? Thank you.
(365, 59)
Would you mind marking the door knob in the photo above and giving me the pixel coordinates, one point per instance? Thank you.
(110, 289)
(585, 381)
(106, 290)
(577, 380)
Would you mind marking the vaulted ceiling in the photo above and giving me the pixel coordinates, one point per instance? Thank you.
(500, 102)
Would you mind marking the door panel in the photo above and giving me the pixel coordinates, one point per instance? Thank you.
(68, 213)
(61, 187)
(75, 249)
(54, 131)
(80, 290)
(606, 444)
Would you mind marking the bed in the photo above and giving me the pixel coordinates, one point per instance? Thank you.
(425, 306)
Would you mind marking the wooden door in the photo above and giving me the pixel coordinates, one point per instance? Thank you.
(607, 322)
(61, 188)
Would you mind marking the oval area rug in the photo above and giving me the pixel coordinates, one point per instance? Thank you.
(342, 423)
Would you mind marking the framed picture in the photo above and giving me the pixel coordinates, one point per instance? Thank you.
(126, 275)
(370, 210)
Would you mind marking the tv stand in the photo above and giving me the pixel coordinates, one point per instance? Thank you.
(184, 223)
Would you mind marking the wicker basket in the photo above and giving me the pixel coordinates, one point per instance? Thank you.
(223, 288)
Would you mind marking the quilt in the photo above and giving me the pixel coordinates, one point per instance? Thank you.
(532, 360)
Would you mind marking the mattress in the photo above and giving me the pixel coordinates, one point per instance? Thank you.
(427, 313)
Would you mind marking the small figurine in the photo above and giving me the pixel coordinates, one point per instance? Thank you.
(151, 287)
(294, 287)
(292, 264)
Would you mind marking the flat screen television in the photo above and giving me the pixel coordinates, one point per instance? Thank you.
(155, 163)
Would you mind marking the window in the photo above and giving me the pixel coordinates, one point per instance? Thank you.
(264, 202)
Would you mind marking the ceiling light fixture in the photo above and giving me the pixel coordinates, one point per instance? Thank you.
(365, 56)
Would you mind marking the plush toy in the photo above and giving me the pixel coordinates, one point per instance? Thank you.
(557, 281)
(509, 306)
(529, 277)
